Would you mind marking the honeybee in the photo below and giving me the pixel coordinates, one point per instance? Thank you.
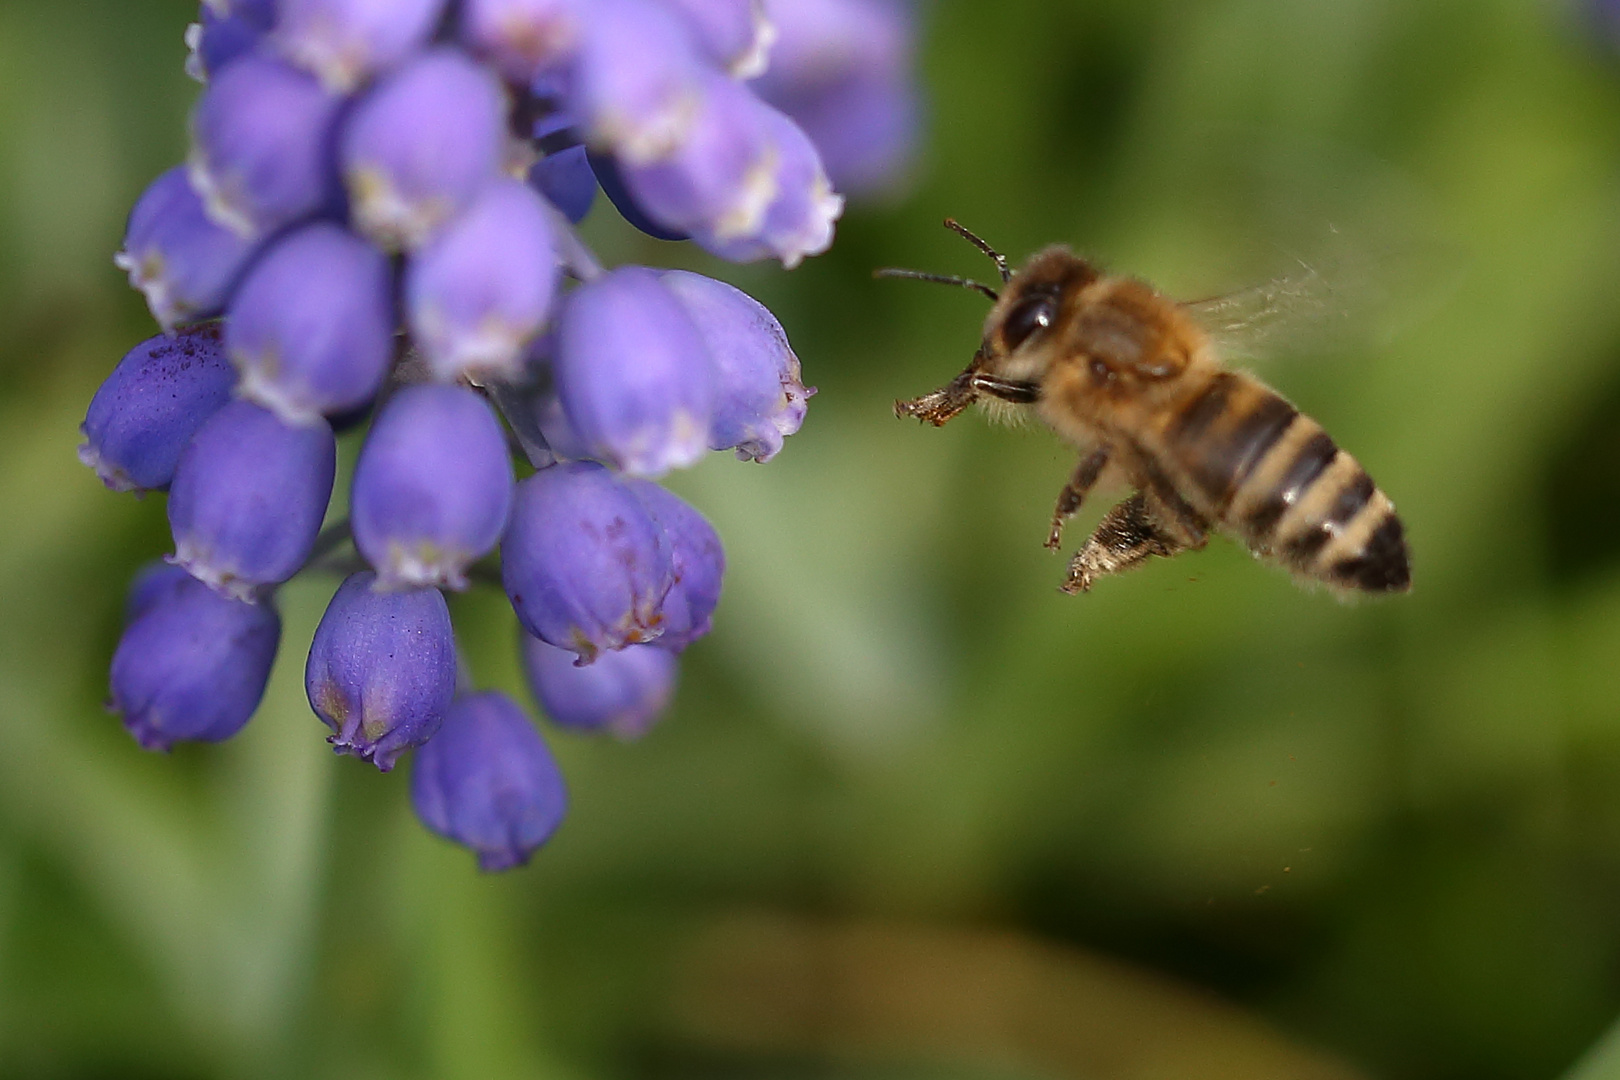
(1130, 378)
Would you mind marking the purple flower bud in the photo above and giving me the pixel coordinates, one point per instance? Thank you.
(177, 255)
(248, 497)
(719, 182)
(622, 693)
(157, 397)
(382, 669)
(215, 40)
(312, 326)
(799, 221)
(150, 585)
(192, 664)
(843, 70)
(523, 37)
(759, 396)
(636, 79)
(585, 565)
(345, 42)
(698, 560)
(734, 34)
(432, 488)
(632, 373)
(479, 291)
(487, 781)
(421, 145)
(261, 154)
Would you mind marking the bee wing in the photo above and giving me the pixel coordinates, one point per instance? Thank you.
(1351, 292)
(1301, 310)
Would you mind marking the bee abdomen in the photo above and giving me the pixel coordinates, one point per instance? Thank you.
(1311, 506)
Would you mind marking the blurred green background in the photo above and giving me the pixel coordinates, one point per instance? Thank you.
(915, 814)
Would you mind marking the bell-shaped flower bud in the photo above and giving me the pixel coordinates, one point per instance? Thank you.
(421, 145)
(480, 290)
(637, 80)
(524, 38)
(432, 488)
(698, 561)
(488, 782)
(146, 412)
(248, 497)
(312, 327)
(192, 665)
(622, 693)
(564, 174)
(215, 40)
(585, 565)
(345, 42)
(718, 184)
(760, 397)
(180, 258)
(632, 373)
(800, 217)
(382, 668)
(842, 69)
(735, 35)
(261, 145)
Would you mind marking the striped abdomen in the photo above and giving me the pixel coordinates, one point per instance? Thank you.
(1270, 475)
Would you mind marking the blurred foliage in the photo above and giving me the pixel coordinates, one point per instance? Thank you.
(916, 814)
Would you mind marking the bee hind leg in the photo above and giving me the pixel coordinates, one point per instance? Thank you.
(1074, 493)
(1127, 536)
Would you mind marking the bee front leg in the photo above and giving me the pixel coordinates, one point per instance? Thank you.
(1074, 493)
(943, 404)
(1126, 537)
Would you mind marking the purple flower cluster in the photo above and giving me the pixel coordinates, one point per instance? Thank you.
(374, 227)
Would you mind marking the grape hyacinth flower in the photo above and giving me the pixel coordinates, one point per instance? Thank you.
(261, 145)
(311, 328)
(420, 146)
(146, 412)
(373, 232)
(622, 693)
(633, 375)
(248, 497)
(487, 781)
(584, 563)
(761, 397)
(192, 664)
(432, 487)
(382, 668)
(185, 262)
(480, 291)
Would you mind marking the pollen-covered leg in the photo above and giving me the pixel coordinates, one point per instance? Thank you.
(943, 404)
(1126, 537)
(1074, 493)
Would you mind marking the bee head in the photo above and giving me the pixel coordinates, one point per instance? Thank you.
(1028, 317)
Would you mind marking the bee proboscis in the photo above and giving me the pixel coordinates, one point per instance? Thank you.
(1130, 378)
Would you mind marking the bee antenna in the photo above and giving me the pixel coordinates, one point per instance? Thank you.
(1001, 260)
(939, 279)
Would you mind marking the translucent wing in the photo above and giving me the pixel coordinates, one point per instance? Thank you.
(1300, 311)
(1346, 296)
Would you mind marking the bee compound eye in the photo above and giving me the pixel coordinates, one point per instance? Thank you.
(1026, 317)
